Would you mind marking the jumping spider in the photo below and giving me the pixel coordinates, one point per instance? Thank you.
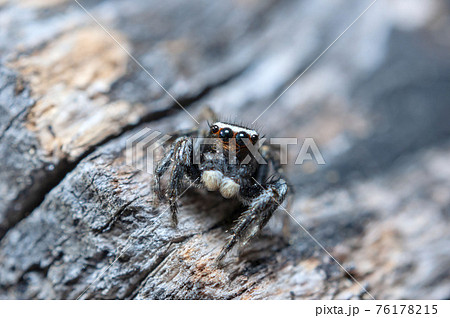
(226, 165)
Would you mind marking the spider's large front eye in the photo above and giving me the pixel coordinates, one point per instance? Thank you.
(214, 129)
(240, 138)
(254, 138)
(226, 134)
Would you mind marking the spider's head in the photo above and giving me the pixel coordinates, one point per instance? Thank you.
(230, 134)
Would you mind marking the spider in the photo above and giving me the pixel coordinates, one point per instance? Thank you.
(226, 165)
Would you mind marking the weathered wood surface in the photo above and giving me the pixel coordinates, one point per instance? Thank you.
(376, 103)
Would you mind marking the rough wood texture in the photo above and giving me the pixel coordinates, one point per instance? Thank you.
(376, 104)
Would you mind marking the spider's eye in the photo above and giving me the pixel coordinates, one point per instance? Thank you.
(226, 134)
(240, 138)
(214, 129)
(254, 138)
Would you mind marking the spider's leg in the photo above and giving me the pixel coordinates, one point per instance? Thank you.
(182, 157)
(191, 132)
(208, 114)
(257, 215)
(270, 154)
(176, 178)
(273, 195)
(160, 170)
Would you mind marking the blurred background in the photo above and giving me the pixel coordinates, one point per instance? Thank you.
(377, 103)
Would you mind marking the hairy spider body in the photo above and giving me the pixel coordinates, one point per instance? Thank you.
(226, 165)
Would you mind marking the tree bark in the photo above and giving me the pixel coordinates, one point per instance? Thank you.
(77, 222)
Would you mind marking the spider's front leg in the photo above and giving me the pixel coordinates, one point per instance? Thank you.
(260, 210)
(160, 170)
(271, 155)
(181, 155)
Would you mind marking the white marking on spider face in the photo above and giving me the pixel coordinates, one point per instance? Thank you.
(212, 179)
(229, 188)
(236, 129)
